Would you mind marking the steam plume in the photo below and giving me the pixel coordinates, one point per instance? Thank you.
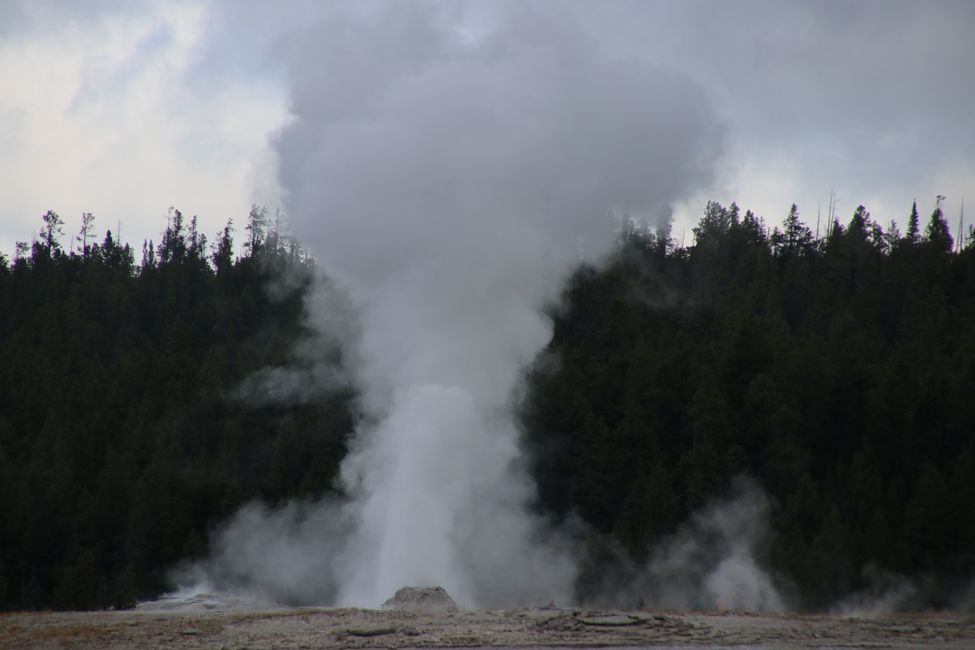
(713, 560)
(448, 168)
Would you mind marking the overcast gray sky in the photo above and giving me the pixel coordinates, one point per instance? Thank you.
(126, 108)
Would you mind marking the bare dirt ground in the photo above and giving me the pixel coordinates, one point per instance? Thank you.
(220, 627)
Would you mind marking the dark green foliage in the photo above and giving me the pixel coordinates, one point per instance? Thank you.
(913, 226)
(797, 238)
(937, 233)
(838, 373)
(124, 434)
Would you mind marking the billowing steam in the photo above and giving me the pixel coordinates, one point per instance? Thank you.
(713, 561)
(447, 170)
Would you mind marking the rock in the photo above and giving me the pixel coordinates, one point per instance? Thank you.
(613, 620)
(422, 599)
(370, 631)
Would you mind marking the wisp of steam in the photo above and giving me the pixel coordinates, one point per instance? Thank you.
(448, 167)
(712, 561)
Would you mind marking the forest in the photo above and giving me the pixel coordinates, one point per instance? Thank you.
(836, 372)
(124, 433)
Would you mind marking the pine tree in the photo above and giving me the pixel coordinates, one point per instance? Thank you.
(796, 240)
(937, 234)
(172, 248)
(224, 250)
(257, 230)
(913, 235)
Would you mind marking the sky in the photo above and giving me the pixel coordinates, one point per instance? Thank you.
(125, 109)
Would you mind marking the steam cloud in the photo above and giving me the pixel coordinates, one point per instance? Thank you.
(448, 167)
(715, 560)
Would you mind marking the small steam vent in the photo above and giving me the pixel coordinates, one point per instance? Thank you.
(422, 599)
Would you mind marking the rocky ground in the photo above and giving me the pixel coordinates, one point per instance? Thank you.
(212, 624)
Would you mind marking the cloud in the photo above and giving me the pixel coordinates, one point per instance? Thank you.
(871, 98)
(867, 98)
(98, 117)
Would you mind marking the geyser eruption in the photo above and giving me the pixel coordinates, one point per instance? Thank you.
(448, 169)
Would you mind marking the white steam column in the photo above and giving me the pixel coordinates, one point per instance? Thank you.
(449, 183)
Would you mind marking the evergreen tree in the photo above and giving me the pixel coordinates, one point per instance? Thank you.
(937, 234)
(913, 235)
(257, 229)
(223, 251)
(796, 239)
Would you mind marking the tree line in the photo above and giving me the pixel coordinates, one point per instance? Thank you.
(837, 372)
(124, 434)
